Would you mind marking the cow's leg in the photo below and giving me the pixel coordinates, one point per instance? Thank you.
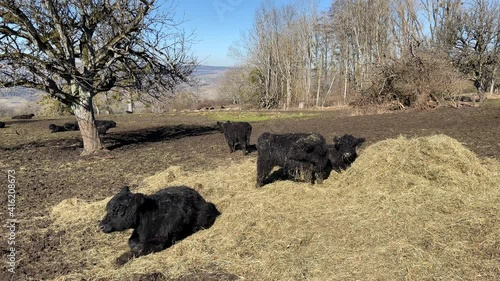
(244, 145)
(320, 174)
(307, 171)
(230, 145)
(124, 258)
(135, 248)
(134, 242)
(154, 246)
(263, 169)
(145, 247)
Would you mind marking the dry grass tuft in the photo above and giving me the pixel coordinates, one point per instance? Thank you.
(408, 209)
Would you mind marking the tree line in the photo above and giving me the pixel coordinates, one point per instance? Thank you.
(402, 53)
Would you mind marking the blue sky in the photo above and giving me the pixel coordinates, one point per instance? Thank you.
(218, 24)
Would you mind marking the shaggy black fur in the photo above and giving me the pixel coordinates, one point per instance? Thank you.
(303, 155)
(237, 134)
(26, 116)
(158, 220)
(343, 151)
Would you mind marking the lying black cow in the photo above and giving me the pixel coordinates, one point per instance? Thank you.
(71, 126)
(66, 127)
(158, 220)
(304, 155)
(26, 116)
(56, 128)
(343, 151)
(2, 124)
(236, 134)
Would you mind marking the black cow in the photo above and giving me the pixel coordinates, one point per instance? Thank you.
(343, 151)
(303, 155)
(104, 125)
(236, 134)
(109, 123)
(158, 220)
(56, 128)
(71, 126)
(26, 116)
(2, 124)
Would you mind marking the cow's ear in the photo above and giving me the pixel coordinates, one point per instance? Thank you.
(125, 190)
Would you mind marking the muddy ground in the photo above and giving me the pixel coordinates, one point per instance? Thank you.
(49, 167)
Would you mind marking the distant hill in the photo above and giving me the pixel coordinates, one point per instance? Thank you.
(206, 78)
(209, 70)
(21, 92)
(19, 99)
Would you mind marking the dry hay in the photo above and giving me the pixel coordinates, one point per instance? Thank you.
(408, 209)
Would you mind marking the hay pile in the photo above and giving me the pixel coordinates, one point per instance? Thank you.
(408, 209)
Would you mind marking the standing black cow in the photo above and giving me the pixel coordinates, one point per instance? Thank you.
(158, 220)
(303, 155)
(343, 151)
(109, 123)
(236, 134)
(104, 125)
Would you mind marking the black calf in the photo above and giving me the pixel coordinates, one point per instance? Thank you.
(303, 155)
(236, 134)
(158, 220)
(104, 125)
(343, 151)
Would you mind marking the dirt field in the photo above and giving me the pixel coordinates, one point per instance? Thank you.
(49, 169)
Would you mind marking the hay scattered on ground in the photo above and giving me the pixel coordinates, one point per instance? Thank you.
(408, 209)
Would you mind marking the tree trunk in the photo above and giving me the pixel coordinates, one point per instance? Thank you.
(319, 71)
(288, 92)
(480, 89)
(492, 86)
(84, 113)
(130, 106)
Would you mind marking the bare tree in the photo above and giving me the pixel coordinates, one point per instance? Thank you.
(239, 86)
(75, 49)
(477, 46)
(362, 39)
(278, 52)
